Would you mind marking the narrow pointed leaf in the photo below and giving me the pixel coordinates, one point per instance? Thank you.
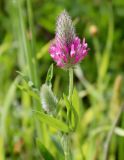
(51, 121)
(49, 75)
(44, 151)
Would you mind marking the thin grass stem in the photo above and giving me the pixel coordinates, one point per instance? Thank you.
(110, 134)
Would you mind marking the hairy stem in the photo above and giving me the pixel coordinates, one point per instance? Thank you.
(66, 138)
(70, 83)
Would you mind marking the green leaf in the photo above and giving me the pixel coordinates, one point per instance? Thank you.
(23, 76)
(44, 151)
(28, 81)
(6, 106)
(107, 52)
(58, 145)
(51, 121)
(67, 103)
(28, 87)
(72, 116)
(49, 76)
(33, 93)
(76, 101)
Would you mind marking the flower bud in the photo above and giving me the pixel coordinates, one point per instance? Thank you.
(93, 30)
(48, 100)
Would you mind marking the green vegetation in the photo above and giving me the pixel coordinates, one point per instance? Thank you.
(96, 121)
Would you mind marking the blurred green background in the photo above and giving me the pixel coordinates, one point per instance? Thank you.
(28, 26)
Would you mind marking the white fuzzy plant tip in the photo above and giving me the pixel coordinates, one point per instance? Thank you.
(65, 31)
(48, 99)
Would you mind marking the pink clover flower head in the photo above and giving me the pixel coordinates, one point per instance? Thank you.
(67, 49)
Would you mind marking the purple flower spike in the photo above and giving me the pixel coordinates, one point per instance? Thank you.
(67, 49)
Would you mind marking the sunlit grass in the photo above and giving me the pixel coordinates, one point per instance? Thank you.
(26, 132)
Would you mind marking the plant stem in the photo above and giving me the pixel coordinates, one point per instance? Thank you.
(30, 54)
(67, 152)
(25, 42)
(110, 134)
(107, 52)
(66, 138)
(70, 83)
(41, 129)
(66, 146)
(33, 43)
